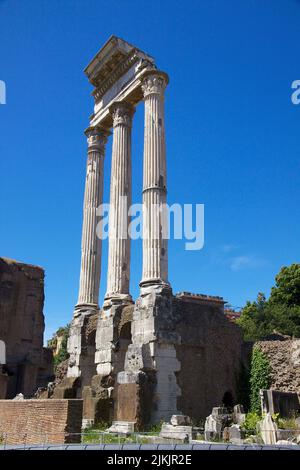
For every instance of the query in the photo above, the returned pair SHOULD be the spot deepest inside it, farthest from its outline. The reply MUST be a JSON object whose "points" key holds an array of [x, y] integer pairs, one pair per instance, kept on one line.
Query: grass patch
{"points": [[285, 423], [97, 435]]}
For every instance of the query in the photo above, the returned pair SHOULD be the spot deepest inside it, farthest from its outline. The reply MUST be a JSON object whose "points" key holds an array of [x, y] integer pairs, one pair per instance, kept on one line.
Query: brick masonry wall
{"points": [[40, 421]]}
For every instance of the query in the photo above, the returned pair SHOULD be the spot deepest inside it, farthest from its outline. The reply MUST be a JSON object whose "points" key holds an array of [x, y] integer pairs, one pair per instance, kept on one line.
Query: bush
{"points": [[63, 352], [251, 422]]}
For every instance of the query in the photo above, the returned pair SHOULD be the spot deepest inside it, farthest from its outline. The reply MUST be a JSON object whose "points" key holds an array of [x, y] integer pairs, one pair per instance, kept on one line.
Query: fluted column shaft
{"points": [[155, 254], [91, 243], [118, 276]]}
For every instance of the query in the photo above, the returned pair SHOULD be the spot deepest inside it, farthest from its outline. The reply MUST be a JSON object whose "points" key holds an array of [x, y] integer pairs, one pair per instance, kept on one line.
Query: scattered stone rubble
{"points": [[226, 426], [223, 424]]}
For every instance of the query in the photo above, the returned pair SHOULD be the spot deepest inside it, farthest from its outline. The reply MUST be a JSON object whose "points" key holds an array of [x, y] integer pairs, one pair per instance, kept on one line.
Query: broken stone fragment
{"points": [[122, 427], [18, 397], [180, 420], [235, 434], [239, 415], [268, 429], [181, 433], [283, 442]]}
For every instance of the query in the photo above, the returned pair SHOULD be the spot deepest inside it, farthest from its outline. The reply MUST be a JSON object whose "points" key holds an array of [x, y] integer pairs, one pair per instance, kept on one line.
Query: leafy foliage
{"points": [[251, 422], [62, 354], [287, 288], [281, 313], [260, 377], [285, 423]]}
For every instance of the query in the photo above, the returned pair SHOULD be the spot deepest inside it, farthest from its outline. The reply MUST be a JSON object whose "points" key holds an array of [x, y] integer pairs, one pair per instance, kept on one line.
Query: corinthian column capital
{"points": [[154, 82], [122, 113], [97, 138]]}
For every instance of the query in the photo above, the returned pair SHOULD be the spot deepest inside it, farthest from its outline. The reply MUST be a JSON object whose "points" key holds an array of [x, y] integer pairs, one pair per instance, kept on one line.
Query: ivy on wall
{"points": [[260, 377]]}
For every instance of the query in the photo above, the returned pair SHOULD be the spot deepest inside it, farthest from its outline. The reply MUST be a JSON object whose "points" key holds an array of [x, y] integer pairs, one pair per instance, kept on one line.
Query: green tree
{"points": [[254, 319], [281, 313], [287, 288]]}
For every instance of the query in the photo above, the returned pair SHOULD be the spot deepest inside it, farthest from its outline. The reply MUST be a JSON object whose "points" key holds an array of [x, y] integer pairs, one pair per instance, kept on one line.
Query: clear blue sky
{"points": [[232, 136]]}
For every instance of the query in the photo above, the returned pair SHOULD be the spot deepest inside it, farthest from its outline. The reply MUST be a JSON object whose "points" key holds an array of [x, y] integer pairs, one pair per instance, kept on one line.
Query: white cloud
{"points": [[246, 262], [224, 255]]}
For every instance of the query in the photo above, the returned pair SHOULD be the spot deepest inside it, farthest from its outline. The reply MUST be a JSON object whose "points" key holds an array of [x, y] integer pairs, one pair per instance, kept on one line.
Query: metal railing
{"points": [[103, 439]]}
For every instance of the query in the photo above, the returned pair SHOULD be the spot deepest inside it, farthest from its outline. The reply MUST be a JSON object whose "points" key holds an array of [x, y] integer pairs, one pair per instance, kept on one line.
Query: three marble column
{"points": [[155, 254]]}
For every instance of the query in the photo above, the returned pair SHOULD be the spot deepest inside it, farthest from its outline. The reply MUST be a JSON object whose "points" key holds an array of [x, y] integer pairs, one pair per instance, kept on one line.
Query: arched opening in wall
{"points": [[227, 399], [121, 347]]}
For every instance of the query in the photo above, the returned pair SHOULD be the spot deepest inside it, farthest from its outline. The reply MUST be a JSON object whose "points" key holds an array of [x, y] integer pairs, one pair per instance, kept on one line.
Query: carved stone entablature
{"points": [[120, 70], [116, 72], [122, 114], [113, 60], [97, 138], [154, 82]]}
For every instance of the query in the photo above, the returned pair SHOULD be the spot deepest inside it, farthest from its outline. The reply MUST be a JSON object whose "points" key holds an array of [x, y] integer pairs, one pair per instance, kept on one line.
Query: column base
{"points": [[111, 300], [85, 309], [154, 284]]}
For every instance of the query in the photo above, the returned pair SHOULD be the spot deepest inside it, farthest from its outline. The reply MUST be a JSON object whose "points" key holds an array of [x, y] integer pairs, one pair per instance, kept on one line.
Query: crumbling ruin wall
{"points": [[191, 332], [98, 391], [284, 359], [28, 364], [101, 394], [209, 354], [189, 360], [87, 359], [40, 421]]}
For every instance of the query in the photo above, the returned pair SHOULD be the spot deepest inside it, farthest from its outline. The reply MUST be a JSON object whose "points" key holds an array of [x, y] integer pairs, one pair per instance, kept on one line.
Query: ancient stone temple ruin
{"points": [[163, 354]]}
